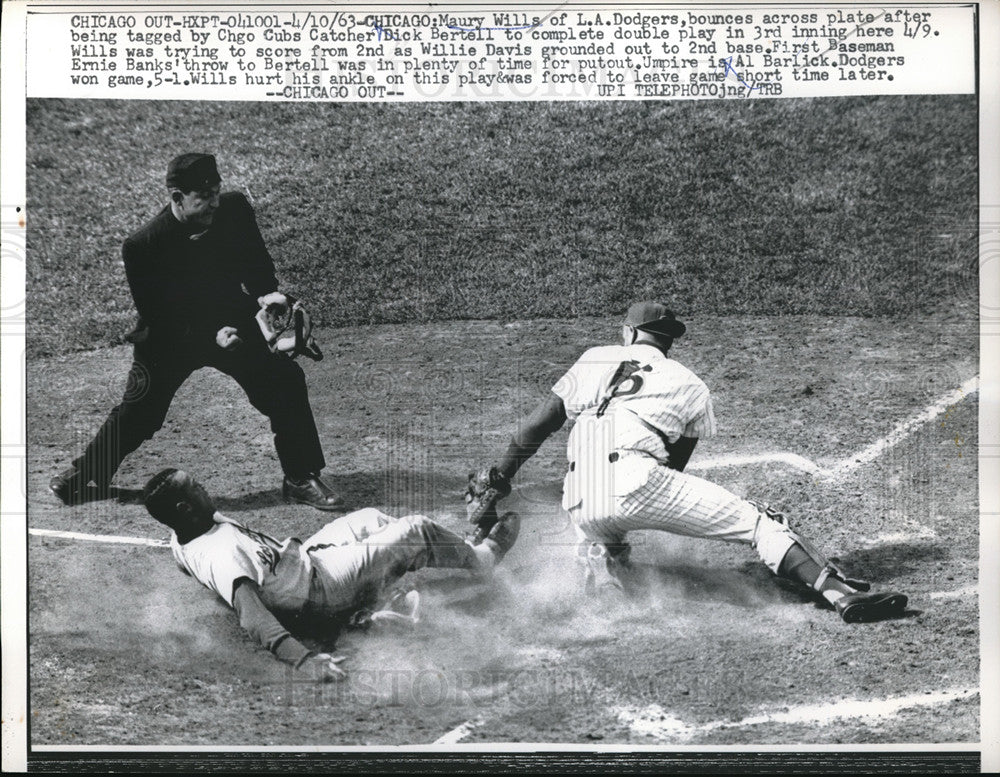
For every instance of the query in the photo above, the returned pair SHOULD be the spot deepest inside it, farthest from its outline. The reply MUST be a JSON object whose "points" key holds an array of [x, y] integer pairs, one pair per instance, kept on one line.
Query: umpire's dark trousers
{"points": [[273, 383]]}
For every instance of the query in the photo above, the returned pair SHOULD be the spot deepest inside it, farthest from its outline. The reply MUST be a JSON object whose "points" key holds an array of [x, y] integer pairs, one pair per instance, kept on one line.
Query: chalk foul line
{"points": [[738, 460], [110, 539], [856, 460], [656, 722], [903, 429], [459, 733], [958, 593]]}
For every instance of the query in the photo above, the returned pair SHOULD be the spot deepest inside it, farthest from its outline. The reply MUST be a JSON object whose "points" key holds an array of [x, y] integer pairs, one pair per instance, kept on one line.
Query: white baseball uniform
{"points": [[627, 403], [341, 568]]}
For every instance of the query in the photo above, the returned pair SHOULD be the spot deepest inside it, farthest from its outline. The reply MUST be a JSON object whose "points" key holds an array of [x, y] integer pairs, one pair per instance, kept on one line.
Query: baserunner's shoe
{"points": [[503, 535], [402, 607], [864, 607]]}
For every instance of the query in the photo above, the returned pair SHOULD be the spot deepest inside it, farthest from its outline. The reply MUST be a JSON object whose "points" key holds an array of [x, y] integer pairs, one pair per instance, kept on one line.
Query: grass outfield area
{"points": [[402, 213]]}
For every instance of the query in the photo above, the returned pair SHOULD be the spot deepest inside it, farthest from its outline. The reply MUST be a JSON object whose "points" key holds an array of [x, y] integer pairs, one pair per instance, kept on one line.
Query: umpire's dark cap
{"points": [[192, 172], [654, 317]]}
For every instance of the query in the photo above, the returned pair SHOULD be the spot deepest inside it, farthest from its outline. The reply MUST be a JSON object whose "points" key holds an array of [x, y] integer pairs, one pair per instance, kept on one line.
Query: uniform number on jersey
{"points": [[268, 557], [267, 553], [625, 382]]}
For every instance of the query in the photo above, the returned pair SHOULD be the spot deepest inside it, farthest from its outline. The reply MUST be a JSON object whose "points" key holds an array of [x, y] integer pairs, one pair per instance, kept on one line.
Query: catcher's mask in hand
{"points": [[287, 327]]}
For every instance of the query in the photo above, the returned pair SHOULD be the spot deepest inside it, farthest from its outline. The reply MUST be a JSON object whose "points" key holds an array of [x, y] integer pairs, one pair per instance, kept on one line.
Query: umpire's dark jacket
{"points": [[187, 288]]}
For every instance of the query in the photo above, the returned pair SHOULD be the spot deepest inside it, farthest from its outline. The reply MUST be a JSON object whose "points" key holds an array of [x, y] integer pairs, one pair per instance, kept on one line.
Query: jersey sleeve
{"points": [[146, 285], [702, 425], [258, 264], [222, 558], [260, 623]]}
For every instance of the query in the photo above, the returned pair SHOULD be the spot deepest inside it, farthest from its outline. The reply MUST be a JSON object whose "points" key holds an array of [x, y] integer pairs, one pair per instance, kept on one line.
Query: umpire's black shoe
{"points": [[866, 607], [311, 491], [68, 486], [72, 487]]}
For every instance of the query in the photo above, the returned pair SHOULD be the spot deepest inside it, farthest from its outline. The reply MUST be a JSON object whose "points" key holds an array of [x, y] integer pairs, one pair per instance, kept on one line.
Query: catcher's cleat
{"points": [[865, 607], [503, 535], [311, 491]]}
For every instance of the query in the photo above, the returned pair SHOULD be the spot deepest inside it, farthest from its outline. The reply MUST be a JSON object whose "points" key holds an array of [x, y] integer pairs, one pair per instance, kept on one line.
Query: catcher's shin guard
{"points": [[773, 539]]}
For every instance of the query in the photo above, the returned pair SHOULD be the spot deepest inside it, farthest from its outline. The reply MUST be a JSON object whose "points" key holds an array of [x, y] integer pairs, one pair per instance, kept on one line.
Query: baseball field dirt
{"points": [[124, 649]]}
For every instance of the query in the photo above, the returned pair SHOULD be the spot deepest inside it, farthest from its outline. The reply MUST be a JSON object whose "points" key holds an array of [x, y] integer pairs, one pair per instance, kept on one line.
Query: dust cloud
{"points": [[529, 634]]}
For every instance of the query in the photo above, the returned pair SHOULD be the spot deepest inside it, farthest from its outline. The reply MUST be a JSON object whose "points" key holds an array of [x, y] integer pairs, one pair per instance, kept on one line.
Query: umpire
{"points": [[196, 272]]}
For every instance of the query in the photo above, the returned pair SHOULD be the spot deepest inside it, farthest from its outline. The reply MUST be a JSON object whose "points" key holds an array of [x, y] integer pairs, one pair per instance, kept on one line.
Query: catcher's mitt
{"points": [[486, 487], [286, 326]]}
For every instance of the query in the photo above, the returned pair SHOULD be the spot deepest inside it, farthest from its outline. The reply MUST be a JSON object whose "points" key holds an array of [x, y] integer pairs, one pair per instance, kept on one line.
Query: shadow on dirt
{"points": [[255, 500], [745, 587], [127, 496], [889, 561], [90, 494], [400, 492]]}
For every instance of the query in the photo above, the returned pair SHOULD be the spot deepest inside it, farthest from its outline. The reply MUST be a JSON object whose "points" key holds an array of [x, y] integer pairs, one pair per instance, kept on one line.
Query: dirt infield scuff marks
{"points": [[903, 430], [654, 721], [129, 607]]}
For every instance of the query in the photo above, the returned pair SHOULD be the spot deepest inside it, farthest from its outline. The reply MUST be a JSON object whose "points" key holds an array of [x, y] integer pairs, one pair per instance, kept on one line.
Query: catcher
{"points": [[638, 416], [335, 578], [206, 293]]}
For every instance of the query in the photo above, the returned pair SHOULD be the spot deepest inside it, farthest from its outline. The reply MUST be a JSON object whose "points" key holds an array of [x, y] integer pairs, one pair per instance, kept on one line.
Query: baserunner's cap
{"points": [[192, 172], [654, 317]]}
